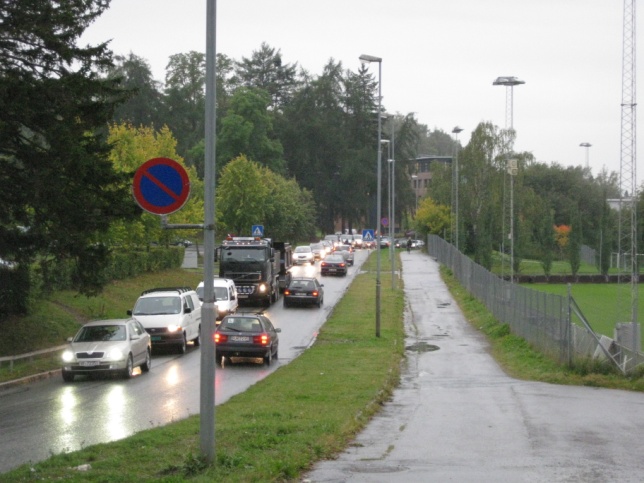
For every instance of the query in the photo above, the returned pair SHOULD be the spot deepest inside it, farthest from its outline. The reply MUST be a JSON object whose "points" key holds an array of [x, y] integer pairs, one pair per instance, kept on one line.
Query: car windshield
{"points": [[302, 249], [241, 324], [157, 306], [221, 293], [335, 258], [101, 333], [302, 285]]}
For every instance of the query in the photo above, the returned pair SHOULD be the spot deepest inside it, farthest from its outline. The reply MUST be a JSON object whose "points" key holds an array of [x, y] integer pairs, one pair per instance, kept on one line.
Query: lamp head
{"points": [[369, 58], [507, 81], [456, 130]]}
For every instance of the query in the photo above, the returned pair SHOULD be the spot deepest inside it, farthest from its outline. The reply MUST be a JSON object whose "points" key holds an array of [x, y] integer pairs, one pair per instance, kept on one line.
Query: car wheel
{"points": [[68, 376], [129, 368], [219, 360], [182, 345], [319, 304], [285, 304], [197, 340], [268, 358], [145, 367]]}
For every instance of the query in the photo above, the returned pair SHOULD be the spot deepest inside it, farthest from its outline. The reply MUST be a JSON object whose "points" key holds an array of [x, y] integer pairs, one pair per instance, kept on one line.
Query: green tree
{"points": [[576, 237], [144, 106], [432, 218], [266, 70], [185, 97], [60, 192], [247, 129], [241, 196]]}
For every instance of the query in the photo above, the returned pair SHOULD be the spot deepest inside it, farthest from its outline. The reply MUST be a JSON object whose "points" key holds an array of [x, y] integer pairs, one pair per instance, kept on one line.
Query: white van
{"points": [[225, 296]]}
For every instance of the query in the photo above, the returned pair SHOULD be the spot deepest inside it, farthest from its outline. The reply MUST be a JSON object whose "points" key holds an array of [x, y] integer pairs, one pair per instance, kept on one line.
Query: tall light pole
{"points": [[512, 171], [587, 146], [509, 82], [369, 59], [455, 183], [392, 205]]}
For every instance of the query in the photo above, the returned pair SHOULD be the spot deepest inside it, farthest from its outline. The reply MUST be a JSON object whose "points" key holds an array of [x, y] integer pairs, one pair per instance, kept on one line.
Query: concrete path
{"points": [[458, 417]]}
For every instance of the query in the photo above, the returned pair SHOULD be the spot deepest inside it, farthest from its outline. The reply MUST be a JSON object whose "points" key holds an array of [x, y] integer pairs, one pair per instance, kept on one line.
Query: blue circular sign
{"points": [[161, 186]]}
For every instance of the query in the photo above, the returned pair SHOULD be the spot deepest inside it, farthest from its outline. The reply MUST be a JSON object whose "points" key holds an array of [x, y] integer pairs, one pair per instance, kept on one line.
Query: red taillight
{"points": [[262, 339], [287, 292], [219, 337], [315, 293], [342, 264], [323, 264]]}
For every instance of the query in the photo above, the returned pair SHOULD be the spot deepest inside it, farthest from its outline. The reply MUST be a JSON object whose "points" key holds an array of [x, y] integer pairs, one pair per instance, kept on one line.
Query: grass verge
{"points": [[305, 411]]}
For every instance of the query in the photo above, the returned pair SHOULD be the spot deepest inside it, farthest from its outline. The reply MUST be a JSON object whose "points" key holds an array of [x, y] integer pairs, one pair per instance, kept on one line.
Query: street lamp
{"points": [[586, 145], [455, 183], [512, 171], [369, 59], [509, 82]]}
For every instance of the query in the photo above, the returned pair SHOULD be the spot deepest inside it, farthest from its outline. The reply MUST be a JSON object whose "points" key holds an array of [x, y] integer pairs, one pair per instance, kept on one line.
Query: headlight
{"points": [[115, 355], [174, 328], [262, 288], [68, 356]]}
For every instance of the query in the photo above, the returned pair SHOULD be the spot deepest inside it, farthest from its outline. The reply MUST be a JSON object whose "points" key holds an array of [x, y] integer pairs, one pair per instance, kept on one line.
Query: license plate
{"points": [[332, 269], [239, 338], [242, 295], [155, 338], [90, 363], [300, 295]]}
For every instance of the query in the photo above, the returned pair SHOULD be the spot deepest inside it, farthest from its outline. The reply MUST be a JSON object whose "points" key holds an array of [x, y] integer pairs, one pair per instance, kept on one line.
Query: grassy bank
{"points": [[305, 411]]}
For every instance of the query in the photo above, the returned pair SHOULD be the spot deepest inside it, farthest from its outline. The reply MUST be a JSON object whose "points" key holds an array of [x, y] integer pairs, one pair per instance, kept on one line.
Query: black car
{"points": [[334, 264], [304, 291], [248, 336]]}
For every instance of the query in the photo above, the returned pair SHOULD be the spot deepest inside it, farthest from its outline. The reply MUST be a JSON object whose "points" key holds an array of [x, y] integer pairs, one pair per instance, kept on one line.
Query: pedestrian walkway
{"points": [[458, 417]]}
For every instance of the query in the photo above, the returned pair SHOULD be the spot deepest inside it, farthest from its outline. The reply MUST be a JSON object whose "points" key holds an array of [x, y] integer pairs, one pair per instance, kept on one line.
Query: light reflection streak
{"points": [[114, 405]]}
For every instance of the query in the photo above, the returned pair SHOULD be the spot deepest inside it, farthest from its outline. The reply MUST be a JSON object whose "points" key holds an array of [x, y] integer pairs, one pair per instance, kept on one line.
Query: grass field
{"points": [[603, 305]]}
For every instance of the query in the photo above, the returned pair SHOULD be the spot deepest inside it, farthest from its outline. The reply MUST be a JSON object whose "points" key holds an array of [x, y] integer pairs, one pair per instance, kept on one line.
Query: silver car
{"points": [[107, 346]]}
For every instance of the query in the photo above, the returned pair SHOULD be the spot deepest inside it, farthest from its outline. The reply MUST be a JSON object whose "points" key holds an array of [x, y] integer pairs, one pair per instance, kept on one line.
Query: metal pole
{"points": [[207, 398], [379, 201]]}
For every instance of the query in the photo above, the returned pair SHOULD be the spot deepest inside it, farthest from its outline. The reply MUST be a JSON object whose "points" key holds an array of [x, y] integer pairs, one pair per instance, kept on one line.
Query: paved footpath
{"points": [[458, 417]]}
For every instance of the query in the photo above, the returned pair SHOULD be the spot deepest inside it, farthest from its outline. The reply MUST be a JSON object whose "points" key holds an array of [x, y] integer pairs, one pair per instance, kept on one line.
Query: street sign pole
{"points": [[207, 397]]}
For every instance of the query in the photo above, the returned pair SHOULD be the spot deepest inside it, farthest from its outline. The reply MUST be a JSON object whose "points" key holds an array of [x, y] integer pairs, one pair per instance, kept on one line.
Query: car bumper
{"points": [[241, 351]]}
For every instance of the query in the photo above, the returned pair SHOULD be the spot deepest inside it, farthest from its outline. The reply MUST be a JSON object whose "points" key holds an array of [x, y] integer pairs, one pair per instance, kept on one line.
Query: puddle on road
{"points": [[422, 347]]}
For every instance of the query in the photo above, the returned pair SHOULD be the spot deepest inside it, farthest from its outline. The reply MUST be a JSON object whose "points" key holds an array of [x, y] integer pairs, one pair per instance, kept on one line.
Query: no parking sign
{"points": [[161, 186]]}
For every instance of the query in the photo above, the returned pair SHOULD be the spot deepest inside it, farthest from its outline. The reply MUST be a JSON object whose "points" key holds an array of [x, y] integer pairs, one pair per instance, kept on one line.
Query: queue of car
{"points": [[170, 317]]}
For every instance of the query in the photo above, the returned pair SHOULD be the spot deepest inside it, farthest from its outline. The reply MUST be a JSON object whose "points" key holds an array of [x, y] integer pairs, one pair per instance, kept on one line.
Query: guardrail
{"points": [[30, 355]]}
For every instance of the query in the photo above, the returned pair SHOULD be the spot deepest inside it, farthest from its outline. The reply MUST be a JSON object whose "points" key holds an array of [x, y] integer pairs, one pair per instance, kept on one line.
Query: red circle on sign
{"points": [[161, 186]]}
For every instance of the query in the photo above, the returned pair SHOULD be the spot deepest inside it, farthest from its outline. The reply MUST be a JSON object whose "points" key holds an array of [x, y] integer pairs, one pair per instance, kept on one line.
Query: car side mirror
{"points": [[187, 310], [135, 337], [129, 312], [277, 329]]}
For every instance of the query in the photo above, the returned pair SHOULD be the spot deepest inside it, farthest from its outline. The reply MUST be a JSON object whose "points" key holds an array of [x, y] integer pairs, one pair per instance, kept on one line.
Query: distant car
{"points": [[225, 296], [107, 346], [357, 241], [319, 250], [303, 254], [304, 291], [248, 336], [384, 242], [419, 243], [347, 252], [328, 246], [333, 264]]}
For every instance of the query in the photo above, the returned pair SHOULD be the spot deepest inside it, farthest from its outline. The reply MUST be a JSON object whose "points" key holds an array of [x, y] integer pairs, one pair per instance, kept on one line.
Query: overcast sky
{"points": [[440, 58]]}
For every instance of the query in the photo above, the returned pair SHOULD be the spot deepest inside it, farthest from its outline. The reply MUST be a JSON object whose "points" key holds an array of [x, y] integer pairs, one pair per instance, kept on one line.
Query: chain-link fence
{"points": [[552, 324]]}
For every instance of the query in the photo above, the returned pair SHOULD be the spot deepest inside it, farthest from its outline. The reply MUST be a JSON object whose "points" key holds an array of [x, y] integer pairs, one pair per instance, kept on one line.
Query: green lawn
{"points": [[603, 304]]}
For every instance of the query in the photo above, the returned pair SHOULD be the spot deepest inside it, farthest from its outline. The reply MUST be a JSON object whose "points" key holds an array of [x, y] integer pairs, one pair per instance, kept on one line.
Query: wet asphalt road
{"points": [[458, 417]]}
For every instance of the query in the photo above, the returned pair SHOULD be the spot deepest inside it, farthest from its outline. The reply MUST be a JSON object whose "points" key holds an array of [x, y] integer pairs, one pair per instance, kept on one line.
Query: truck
{"points": [[254, 265], [286, 262]]}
